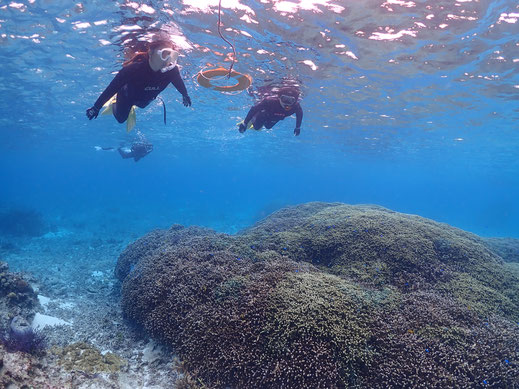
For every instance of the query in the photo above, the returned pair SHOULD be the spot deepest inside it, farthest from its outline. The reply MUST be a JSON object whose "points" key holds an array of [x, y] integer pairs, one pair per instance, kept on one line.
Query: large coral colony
{"points": [[328, 295]]}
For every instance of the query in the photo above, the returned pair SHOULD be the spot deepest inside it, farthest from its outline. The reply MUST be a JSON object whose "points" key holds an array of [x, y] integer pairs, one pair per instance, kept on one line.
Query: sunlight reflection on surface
{"points": [[206, 5], [386, 70], [307, 5]]}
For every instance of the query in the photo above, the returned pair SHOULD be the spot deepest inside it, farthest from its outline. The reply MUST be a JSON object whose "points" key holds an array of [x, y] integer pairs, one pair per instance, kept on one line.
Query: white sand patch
{"points": [[41, 321], [44, 301]]}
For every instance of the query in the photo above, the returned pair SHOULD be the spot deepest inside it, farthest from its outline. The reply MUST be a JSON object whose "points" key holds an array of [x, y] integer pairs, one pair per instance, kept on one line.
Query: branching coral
{"points": [[328, 296]]}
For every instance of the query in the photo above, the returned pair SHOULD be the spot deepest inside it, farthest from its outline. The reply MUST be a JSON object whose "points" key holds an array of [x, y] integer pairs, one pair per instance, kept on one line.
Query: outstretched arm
{"points": [[176, 80], [299, 119]]}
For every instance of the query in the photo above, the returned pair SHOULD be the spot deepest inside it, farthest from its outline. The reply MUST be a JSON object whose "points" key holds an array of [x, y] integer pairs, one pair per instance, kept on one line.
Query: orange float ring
{"points": [[243, 80]]}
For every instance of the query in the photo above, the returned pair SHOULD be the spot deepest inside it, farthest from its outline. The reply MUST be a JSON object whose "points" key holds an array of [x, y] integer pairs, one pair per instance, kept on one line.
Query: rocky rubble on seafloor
{"points": [[17, 297], [50, 358]]}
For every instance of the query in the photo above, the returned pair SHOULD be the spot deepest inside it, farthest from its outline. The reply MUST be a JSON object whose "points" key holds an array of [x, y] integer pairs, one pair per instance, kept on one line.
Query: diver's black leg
{"points": [[122, 106], [270, 124], [258, 124], [257, 121]]}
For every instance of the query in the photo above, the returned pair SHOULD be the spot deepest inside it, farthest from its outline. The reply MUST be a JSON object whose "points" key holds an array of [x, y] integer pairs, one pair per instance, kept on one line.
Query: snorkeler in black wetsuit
{"points": [[137, 151], [141, 80], [272, 109], [139, 148]]}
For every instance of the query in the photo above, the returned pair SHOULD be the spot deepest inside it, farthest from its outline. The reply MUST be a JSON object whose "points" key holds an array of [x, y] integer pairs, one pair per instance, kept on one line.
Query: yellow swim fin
{"points": [[108, 106], [248, 127], [132, 119]]}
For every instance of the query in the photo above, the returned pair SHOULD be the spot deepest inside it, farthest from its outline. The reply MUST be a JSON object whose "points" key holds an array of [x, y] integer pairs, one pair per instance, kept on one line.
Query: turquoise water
{"points": [[409, 105]]}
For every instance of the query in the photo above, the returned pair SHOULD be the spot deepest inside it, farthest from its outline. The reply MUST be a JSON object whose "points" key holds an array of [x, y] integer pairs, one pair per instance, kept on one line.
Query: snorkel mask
{"points": [[288, 96], [167, 54], [163, 59], [169, 57], [287, 101]]}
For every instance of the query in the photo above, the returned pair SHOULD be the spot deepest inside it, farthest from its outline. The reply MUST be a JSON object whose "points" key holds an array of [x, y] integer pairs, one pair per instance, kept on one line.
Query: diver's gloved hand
{"points": [[92, 113], [242, 128], [186, 100], [297, 131]]}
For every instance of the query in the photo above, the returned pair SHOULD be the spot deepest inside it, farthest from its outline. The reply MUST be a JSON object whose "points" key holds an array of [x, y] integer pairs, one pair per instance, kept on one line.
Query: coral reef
{"points": [[434, 340], [84, 357], [156, 241], [20, 222], [22, 337], [377, 247], [328, 296], [506, 248], [17, 297]]}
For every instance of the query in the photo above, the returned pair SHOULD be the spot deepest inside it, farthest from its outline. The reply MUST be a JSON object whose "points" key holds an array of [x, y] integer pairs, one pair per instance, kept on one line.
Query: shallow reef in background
{"points": [[506, 248], [22, 222], [328, 295]]}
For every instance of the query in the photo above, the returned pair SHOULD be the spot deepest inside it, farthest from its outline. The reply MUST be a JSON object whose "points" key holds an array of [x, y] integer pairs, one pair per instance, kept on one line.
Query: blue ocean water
{"points": [[411, 105]]}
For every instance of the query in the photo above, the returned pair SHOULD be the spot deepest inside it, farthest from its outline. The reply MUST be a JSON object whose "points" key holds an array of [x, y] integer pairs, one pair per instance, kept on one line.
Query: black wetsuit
{"points": [[137, 151], [137, 84], [269, 111]]}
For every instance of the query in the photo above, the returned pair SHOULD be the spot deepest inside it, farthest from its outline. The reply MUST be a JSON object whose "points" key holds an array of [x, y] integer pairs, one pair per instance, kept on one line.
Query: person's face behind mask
{"points": [[163, 57]]}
